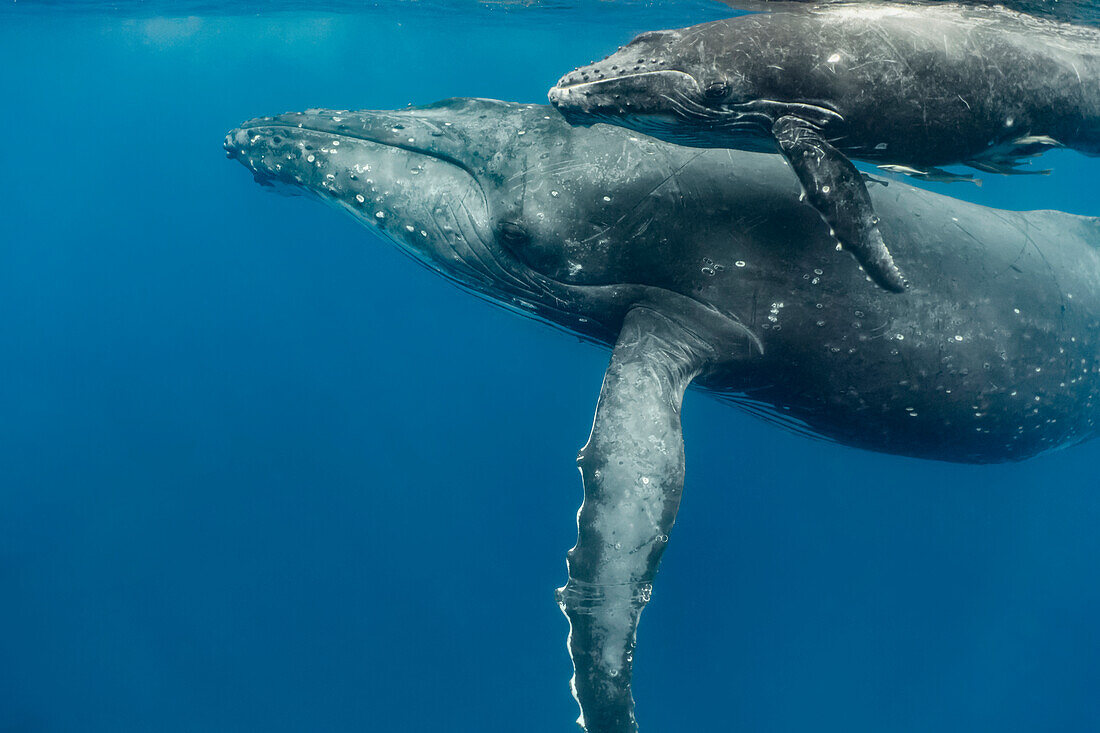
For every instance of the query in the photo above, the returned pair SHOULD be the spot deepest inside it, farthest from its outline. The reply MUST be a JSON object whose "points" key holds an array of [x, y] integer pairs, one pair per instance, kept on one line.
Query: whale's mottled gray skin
{"points": [[1080, 12], [915, 85], [703, 267]]}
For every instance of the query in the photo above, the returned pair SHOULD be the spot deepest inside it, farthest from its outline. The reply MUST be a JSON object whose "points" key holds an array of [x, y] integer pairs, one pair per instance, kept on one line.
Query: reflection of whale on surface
{"points": [[703, 266], [901, 84]]}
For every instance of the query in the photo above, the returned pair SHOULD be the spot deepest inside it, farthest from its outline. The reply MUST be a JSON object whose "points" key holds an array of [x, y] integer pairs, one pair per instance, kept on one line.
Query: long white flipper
{"points": [[633, 472]]}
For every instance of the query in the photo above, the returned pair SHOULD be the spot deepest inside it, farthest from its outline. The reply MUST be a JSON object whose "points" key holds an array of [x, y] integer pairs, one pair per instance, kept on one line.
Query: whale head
{"points": [[692, 86], [506, 200]]}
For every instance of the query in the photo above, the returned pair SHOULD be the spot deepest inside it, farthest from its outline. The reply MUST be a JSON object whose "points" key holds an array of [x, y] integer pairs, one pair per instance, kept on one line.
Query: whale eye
{"points": [[717, 90], [512, 233]]}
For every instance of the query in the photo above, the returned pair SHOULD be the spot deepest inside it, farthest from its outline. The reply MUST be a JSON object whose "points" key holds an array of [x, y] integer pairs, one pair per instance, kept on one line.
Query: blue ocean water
{"points": [[259, 472]]}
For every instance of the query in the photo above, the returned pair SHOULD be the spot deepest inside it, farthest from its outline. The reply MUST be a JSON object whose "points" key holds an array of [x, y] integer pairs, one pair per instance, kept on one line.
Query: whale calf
{"points": [[703, 267], [1079, 12], [919, 86]]}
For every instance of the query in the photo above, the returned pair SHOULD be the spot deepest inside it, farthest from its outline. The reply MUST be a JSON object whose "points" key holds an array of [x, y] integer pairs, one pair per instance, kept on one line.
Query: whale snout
{"points": [[253, 150], [248, 143], [235, 141], [626, 79], [648, 52], [241, 140], [571, 104], [647, 92], [396, 172], [238, 146]]}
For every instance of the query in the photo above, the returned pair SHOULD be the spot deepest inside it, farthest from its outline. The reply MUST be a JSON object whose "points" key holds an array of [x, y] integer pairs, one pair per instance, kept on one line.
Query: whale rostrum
{"points": [[704, 268]]}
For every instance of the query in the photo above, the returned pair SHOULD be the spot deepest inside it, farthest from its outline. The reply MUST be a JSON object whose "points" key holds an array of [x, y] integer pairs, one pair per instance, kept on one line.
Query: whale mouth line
{"points": [[480, 263], [562, 91], [269, 178], [580, 86], [375, 139]]}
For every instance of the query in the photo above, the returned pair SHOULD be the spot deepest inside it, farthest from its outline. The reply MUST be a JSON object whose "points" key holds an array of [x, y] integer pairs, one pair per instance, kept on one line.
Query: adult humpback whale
{"points": [[702, 267], [916, 85]]}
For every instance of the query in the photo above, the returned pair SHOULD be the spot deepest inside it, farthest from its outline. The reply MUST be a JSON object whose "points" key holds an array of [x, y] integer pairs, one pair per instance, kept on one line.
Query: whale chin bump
{"points": [[240, 145], [234, 142]]}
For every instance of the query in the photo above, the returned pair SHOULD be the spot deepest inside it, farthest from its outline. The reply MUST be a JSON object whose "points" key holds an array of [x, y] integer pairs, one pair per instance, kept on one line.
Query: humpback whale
{"points": [[920, 86], [703, 268]]}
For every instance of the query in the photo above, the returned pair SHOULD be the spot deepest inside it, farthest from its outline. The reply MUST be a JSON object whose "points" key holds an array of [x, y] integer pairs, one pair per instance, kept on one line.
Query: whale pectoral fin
{"points": [[836, 189], [633, 473]]}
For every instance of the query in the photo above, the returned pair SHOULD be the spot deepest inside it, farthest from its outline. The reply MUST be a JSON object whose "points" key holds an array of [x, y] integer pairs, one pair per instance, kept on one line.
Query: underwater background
{"points": [[260, 472]]}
